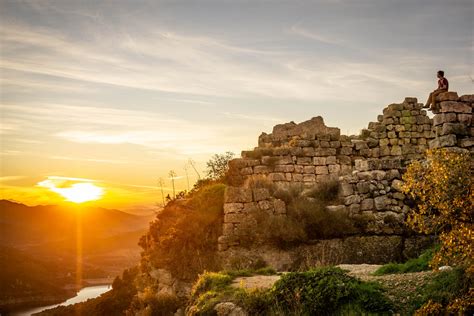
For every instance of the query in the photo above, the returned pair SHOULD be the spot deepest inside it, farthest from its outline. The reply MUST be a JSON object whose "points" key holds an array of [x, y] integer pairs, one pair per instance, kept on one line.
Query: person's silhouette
{"points": [[443, 86]]}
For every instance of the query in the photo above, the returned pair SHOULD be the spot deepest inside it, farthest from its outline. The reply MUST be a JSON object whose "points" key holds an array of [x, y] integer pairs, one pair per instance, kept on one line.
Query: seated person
{"points": [[443, 86]]}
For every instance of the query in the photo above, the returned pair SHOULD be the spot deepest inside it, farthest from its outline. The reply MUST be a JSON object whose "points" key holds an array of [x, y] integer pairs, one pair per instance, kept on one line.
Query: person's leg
{"points": [[434, 94], [430, 98]]}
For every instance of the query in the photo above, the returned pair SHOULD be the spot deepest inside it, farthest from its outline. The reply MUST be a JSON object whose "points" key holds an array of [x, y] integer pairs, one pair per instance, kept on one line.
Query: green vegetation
{"points": [[307, 217], [422, 263], [450, 291], [218, 165], [441, 189], [327, 291], [183, 238]]}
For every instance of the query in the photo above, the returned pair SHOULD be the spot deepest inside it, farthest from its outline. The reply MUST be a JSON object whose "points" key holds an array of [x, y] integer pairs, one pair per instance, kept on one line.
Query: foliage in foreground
{"points": [[448, 293], [441, 188], [422, 263], [327, 291]]}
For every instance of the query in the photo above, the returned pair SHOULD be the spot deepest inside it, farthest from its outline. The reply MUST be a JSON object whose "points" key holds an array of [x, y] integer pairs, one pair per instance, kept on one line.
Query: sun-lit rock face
{"points": [[368, 168]]}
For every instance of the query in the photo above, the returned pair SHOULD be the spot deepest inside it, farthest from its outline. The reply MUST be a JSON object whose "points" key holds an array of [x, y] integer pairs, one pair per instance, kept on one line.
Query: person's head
{"points": [[440, 74]]}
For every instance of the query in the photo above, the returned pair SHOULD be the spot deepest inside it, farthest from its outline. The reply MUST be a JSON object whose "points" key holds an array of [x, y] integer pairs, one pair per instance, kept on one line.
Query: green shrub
{"points": [[211, 281], [325, 192], [307, 218], [422, 263], [445, 288], [183, 237], [327, 291]]}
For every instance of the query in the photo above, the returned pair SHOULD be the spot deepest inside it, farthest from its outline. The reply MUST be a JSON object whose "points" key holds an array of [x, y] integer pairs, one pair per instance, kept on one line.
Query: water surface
{"points": [[82, 296]]}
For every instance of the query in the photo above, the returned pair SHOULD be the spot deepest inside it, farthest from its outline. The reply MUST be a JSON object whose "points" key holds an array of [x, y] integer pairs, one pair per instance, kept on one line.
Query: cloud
{"points": [[328, 39]]}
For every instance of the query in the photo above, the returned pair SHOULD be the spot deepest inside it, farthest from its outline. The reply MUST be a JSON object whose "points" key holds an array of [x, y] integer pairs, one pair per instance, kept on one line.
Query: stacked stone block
{"points": [[368, 166], [453, 123]]}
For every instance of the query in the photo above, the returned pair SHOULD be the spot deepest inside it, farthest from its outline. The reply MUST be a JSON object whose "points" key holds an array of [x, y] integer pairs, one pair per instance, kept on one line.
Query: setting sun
{"points": [[76, 192]]}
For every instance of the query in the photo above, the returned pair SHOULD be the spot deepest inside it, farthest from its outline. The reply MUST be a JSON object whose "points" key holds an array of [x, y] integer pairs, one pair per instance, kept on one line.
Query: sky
{"points": [[118, 93]]}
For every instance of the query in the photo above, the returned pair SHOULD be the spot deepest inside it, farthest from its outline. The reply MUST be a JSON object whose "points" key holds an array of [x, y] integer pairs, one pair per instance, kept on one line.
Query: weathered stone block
{"points": [[466, 142], [443, 141], [309, 177], [284, 168], [455, 107], [344, 160], [308, 169], [334, 168], [453, 128], [308, 151], [396, 151], [467, 98], [233, 218], [233, 208], [277, 176], [237, 195], [397, 185], [304, 161], [346, 189], [448, 96], [260, 194], [325, 152], [367, 204], [444, 118], [261, 169], [361, 165], [360, 144], [380, 202], [319, 161], [322, 170], [465, 119], [352, 199], [345, 151], [331, 160]]}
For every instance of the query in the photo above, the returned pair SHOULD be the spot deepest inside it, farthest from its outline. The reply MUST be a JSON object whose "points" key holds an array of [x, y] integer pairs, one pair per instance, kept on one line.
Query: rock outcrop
{"points": [[368, 167]]}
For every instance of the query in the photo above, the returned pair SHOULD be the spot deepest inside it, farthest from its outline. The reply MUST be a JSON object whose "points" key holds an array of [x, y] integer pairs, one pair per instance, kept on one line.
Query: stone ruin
{"points": [[368, 167]]}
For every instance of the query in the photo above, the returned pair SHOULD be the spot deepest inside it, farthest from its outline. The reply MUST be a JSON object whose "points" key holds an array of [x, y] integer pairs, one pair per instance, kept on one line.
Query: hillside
{"points": [[38, 249]]}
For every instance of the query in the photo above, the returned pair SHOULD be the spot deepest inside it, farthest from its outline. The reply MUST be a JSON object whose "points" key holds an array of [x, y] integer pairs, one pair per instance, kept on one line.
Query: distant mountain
{"points": [[27, 227], [39, 248]]}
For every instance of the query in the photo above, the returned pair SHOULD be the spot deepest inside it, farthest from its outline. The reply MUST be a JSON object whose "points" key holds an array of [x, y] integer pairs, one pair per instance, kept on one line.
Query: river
{"points": [[83, 295]]}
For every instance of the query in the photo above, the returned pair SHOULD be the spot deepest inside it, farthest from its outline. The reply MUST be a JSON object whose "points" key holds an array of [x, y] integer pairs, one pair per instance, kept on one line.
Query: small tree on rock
{"points": [[218, 165]]}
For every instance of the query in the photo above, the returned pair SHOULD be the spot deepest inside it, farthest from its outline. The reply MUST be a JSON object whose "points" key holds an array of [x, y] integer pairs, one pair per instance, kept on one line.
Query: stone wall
{"points": [[368, 167]]}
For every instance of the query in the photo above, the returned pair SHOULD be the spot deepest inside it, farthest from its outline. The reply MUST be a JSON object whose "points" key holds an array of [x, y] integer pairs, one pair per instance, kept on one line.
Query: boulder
{"points": [[448, 96]]}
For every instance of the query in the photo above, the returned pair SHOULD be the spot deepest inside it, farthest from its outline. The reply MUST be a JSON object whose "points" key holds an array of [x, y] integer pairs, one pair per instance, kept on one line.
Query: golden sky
{"points": [[115, 94]]}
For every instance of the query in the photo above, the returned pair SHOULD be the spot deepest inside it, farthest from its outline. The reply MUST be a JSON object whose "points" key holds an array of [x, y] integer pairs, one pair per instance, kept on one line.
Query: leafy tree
{"points": [[218, 165], [441, 187]]}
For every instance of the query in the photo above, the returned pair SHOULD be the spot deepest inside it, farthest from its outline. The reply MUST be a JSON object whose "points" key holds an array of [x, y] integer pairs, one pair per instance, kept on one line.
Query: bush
{"points": [[307, 218], [183, 237], [327, 291], [325, 192], [422, 263], [441, 189]]}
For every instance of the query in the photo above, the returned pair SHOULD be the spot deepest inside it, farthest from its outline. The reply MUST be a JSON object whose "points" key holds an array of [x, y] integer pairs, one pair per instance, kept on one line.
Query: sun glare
{"points": [[76, 192]]}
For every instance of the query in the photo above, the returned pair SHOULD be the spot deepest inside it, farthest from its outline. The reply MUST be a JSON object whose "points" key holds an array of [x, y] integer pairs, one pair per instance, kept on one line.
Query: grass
{"points": [[422, 263], [323, 291]]}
